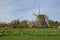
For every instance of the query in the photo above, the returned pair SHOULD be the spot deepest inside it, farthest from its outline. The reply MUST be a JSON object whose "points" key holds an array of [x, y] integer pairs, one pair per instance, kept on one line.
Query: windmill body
{"points": [[42, 20]]}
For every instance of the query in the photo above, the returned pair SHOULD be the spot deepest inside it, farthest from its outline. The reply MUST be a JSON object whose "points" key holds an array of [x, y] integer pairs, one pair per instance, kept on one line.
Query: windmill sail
{"points": [[39, 10], [42, 20], [47, 22]]}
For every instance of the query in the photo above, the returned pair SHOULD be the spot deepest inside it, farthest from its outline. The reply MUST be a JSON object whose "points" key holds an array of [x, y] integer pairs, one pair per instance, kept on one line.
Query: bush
{"points": [[3, 34]]}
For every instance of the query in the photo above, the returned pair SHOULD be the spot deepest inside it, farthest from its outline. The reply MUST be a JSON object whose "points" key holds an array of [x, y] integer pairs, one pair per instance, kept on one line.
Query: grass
{"points": [[29, 34]]}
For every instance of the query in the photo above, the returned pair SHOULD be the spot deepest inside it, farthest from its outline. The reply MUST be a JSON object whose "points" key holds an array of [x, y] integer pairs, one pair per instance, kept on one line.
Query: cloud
{"points": [[24, 9]]}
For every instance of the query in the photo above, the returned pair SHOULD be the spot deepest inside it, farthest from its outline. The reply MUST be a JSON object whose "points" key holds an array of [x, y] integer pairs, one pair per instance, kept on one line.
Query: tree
{"points": [[24, 23], [15, 23], [3, 24]]}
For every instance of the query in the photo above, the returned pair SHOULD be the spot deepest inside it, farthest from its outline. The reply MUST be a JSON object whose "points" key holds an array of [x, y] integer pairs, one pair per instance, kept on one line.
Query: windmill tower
{"points": [[42, 20]]}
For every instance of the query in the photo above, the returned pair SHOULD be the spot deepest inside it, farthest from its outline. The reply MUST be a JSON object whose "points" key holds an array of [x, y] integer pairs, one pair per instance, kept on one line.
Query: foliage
{"points": [[25, 23], [30, 33], [2, 24]]}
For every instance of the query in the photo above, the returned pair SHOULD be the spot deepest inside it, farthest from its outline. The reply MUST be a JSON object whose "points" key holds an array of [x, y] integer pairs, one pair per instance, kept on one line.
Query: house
{"points": [[58, 26], [30, 25]]}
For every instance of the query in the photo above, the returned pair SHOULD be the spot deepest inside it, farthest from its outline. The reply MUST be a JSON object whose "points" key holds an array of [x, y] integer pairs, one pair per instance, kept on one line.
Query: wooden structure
{"points": [[42, 20]]}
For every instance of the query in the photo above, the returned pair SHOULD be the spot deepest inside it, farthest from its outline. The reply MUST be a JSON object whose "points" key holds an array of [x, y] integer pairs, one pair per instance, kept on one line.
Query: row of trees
{"points": [[17, 23], [25, 23], [41, 21]]}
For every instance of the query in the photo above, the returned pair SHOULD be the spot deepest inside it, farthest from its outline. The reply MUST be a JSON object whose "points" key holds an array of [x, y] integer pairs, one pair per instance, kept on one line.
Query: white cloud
{"points": [[12, 9]]}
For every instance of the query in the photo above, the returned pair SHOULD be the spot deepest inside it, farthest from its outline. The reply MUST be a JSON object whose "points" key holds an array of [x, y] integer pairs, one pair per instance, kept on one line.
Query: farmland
{"points": [[29, 34]]}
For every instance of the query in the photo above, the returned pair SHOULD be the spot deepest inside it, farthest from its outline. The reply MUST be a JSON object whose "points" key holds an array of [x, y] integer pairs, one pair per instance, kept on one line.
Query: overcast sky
{"points": [[24, 9]]}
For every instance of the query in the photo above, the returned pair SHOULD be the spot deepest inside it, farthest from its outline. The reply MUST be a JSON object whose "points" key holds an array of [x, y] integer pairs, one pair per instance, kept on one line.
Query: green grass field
{"points": [[29, 34]]}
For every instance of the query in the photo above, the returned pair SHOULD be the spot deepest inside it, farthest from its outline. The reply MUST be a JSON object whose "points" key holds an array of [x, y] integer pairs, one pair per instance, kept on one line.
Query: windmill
{"points": [[42, 19]]}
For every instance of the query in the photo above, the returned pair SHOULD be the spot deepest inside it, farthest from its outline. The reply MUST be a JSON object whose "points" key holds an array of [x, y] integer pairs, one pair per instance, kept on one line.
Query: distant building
{"points": [[58, 26], [30, 25]]}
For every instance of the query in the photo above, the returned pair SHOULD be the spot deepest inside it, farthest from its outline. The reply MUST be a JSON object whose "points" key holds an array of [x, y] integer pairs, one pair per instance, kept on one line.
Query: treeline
{"points": [[14, 24], [25, 23]]}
